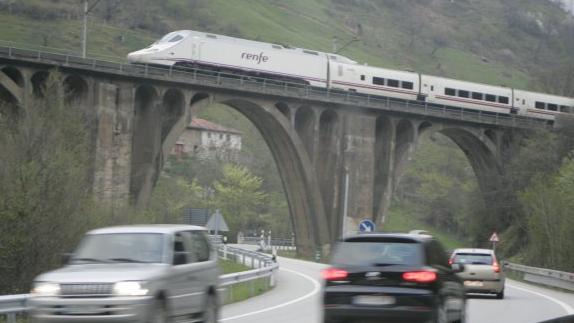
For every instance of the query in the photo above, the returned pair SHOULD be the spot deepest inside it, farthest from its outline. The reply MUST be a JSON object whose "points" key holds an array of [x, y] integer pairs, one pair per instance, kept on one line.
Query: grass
{"points": [[242, 291], [230, 267]]}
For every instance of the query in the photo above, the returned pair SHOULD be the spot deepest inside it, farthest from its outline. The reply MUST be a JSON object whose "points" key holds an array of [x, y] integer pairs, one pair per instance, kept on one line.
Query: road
{"points": [[296, 299]]}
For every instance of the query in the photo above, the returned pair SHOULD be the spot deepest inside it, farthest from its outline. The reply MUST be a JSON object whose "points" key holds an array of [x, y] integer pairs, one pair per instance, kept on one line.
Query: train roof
{"points": [[263, 45]]}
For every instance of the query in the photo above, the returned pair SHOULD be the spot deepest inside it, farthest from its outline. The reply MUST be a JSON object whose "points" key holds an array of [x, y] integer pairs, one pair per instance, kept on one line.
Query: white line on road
{"points": [[569, 310], [316, 288]]}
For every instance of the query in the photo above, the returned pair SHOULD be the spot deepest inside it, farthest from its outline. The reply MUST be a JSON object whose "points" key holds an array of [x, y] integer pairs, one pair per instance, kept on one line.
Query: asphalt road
{"points": [[296, 299]]}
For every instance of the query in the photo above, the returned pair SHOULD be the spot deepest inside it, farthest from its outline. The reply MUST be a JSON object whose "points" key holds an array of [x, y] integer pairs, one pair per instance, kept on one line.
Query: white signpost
{"points": [[494, 239]]}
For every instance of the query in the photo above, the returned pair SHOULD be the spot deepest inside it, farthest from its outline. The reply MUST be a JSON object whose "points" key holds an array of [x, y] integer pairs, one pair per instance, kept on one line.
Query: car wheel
{"points": [[500, 295], [159, 312], [211, 313]]}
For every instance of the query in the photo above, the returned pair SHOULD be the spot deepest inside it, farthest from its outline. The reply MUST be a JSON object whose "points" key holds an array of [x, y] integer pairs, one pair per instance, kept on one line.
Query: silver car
{"points": [[152, 273], [482, 272]]}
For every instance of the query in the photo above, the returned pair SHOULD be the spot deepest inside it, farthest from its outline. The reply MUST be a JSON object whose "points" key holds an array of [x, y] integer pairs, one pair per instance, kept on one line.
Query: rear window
{"points": [[357, 253], [473, 259]]}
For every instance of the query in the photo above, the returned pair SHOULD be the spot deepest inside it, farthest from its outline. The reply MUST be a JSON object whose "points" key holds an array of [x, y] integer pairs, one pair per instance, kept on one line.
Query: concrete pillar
{"points": [[359, 161], [114, 109]]}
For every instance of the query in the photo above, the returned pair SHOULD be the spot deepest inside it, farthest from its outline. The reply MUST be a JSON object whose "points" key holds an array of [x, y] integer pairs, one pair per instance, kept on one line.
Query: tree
{"points": [[45, 189], [239, 196]]}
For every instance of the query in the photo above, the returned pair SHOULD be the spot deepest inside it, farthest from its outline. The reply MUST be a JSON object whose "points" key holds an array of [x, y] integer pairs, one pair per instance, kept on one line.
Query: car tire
{"points": [[211, 313], [159, 312], [500, 295]]}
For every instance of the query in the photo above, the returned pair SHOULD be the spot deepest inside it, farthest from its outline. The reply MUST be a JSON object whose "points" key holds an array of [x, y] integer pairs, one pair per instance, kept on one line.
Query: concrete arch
{"points": [[38, 81], [145, 163], [11, 85], [296, 171], [328, 171], [405, 139], [384, 155], [76, 90], [305, 127], [173, 108], [284, 109]]}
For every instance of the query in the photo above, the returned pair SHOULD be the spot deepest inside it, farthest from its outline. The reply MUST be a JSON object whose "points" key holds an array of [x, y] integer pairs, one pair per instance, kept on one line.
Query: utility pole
{"points": [[87, 9]]}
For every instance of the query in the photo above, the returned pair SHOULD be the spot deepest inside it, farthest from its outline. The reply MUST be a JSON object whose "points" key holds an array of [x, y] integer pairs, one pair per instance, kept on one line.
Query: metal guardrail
{"points": [[543, 276], [265, 267], [255, 85]]}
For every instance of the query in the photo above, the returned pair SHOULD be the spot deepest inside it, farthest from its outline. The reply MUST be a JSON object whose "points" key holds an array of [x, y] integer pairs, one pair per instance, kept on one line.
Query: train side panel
{"points": [[374, 81], [542, 106], [467, 95]]}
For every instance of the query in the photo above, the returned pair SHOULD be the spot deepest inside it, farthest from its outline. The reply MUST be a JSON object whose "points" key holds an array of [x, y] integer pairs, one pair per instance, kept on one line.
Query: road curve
{"points": [[296, 299]]}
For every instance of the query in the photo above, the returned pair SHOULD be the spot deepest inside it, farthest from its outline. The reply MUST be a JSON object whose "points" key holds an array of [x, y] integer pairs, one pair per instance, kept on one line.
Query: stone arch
{"points": [[305, 127], [39, 80], [76, 90], [490, 134], [382, 192], [173, 110], [328, 170], [145, 164], [196, 108], [423, 127], [296, 171], [284, 109]]}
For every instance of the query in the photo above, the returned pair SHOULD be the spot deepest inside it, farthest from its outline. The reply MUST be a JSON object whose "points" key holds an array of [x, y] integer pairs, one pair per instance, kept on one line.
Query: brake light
{"points": [[450, 261], [334, 274], [420, 276], [495, 266]]}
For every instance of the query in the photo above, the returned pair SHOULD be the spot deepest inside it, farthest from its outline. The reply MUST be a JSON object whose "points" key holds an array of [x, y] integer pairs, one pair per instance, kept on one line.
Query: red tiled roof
{"points": [[203, 124]]}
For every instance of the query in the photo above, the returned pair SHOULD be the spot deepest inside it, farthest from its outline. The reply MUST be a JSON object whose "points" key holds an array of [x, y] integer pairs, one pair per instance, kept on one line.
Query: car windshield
{"points": [[377, 253], [121, 247], [473, 259]]}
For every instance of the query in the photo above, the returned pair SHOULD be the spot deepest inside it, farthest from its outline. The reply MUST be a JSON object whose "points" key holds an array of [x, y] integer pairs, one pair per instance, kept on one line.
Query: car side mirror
{"points": [[179, 258], [457, 268], [65, 258]]}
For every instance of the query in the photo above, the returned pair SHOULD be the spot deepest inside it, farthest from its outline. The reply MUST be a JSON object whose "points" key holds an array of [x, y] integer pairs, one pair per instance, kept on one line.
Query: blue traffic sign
{"points": [[367, 226]]}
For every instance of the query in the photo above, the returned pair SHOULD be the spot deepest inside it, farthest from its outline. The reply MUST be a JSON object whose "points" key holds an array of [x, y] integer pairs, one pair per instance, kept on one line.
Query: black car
{"points": [[386, 277]]}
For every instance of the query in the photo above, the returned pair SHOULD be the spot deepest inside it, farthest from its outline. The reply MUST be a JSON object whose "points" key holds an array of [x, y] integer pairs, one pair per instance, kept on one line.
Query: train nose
{"points": [[135, 57]]}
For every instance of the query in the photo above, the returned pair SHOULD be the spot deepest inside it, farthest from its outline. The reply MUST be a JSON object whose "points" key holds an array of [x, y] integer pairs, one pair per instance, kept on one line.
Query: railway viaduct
{"points": [[324, 143]]}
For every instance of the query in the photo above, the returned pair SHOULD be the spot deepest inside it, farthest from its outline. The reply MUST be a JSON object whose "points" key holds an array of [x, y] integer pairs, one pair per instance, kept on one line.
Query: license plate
{"points": [[472, 283], [79, 309], [373, 300]]}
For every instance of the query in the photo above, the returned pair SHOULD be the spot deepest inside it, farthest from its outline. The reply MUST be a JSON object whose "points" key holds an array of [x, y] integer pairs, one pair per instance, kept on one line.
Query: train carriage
{"points": [[542, 106]]}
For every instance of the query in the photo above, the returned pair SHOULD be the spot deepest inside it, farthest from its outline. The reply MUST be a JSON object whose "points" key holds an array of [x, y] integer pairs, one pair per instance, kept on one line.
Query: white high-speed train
{"points": [[198, 49]]}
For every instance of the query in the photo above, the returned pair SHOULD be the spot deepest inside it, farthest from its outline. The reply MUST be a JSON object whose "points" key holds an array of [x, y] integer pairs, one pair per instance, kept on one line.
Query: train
{"points": [[188, 48]]}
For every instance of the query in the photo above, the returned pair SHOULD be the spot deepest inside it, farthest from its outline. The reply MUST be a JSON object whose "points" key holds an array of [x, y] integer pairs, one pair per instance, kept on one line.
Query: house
{"points": [[206, 139]]}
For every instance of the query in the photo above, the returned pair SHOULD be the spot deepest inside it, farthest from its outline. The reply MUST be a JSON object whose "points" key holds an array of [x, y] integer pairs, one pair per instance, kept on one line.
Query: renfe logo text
{"points": [[255, 57]]}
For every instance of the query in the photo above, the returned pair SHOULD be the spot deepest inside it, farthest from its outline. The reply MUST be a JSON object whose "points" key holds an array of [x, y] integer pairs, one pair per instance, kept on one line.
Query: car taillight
{"points": [[334, 274], [420, 276], [496, 266], [450, 261]]}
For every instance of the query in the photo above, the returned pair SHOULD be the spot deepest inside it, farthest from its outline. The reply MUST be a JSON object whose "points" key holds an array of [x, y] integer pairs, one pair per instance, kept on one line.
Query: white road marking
{"points": [[569, 310], [316, 289]]}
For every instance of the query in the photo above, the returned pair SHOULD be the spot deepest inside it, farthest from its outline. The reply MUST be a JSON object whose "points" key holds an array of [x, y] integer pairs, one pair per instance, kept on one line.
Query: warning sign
{"points": [[494, 237]]}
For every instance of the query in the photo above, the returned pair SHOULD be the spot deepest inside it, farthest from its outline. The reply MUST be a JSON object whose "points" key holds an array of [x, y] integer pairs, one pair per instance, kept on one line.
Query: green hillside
{"points": [[494, 41]]}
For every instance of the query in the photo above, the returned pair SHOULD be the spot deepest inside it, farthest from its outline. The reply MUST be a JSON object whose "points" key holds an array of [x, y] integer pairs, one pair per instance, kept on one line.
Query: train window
{"points": [[463, 94], [449, 91], [490, 98], [310, 52], [477, 96], [176, 39], [211, 36], [408, 85], [277, 47], [552, 107], [378, 81], [333, 57], [565, 109], [392, 83], [362, 77], [432, 88], [503, 99], [523, 101], [540, 105]]}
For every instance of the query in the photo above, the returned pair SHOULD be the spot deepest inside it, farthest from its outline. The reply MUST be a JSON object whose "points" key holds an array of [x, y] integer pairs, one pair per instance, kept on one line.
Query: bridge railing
{"points": [[543, 276], [234, 82], [264, 267]]}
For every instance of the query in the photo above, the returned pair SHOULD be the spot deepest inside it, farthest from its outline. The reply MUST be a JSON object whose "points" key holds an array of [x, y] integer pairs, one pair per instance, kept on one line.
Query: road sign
{"points": [[367, 226], [494, 237]]}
